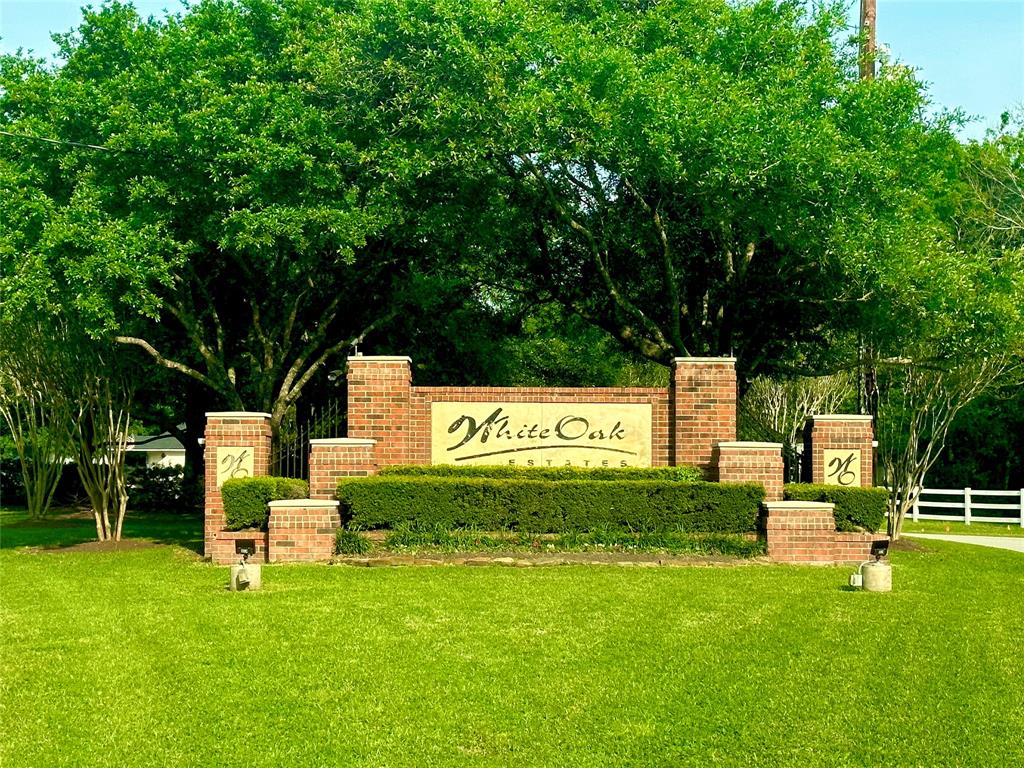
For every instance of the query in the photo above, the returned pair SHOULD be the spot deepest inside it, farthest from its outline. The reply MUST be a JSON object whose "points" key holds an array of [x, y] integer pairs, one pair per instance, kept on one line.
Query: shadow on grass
{"points": [[64, 528]]}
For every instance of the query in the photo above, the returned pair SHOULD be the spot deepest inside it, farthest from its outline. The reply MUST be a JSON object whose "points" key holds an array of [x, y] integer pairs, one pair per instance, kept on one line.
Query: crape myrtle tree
{"points": [[939, 344], [34, 414]]}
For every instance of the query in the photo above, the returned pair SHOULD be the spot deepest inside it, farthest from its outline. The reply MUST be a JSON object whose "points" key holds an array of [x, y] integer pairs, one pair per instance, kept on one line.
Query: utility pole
{"points": [[868, 15], [867, 390]]}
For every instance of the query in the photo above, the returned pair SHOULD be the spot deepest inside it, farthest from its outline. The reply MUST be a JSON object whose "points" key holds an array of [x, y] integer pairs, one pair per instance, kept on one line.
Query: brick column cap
{"points": [[343, 441], [837, 417], [303, 504], [679, 360], [798, 506], [741, 445], [380, 359], [237, 414]]}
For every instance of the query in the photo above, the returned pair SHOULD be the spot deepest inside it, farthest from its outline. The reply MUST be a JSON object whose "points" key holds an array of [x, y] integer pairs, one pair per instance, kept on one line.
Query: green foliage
{"points": [[539, 506], [857, 509], [246, 498], [683, 474], [996, 461], [154, 488], [291, 488], [409, 537], [349, 542]]}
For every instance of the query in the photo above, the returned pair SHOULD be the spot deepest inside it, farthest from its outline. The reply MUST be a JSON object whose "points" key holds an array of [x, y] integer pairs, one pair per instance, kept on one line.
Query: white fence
{"points": [[969, 504]]}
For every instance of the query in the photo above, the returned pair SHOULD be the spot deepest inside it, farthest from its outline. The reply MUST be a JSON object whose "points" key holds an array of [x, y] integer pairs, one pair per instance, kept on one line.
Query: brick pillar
{"points": [[334, 458], [379, 390], [751, 463], [702, 403], [800, 531], [302, 530], [837, 448], [237, 444]]}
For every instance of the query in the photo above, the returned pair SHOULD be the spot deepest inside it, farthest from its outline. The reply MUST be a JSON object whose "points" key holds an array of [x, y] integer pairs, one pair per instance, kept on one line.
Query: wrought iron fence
{"points": [[290, 455]]}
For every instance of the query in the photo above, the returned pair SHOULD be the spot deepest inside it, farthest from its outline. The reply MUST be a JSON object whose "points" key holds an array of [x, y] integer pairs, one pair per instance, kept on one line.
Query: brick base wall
{"points": [[851, 548], [743, 462], [302, 530], [330, 460], [222, 548], [804, 532]]}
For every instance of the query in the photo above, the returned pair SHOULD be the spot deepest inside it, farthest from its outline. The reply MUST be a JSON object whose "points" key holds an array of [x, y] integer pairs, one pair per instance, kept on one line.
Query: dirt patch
{"points": [[908, 545], [125, 545]]}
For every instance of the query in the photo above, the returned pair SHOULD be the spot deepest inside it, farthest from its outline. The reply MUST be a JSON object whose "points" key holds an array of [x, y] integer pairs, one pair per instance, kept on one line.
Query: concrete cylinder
{"points": [[247, 578], [877, 577]]}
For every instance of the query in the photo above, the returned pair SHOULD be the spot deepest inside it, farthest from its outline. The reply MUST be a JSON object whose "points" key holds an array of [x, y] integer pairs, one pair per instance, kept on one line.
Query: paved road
{"points": [[999, 542]]}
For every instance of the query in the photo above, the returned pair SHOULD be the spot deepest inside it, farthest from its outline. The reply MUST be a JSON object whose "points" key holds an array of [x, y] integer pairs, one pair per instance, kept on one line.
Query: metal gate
{"points": [[290, 455]]}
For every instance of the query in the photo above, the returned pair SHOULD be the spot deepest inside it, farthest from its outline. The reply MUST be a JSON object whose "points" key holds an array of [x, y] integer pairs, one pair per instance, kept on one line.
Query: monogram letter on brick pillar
{"points": [[379, 391], [703, 409], [838, 450], [237, 444]]}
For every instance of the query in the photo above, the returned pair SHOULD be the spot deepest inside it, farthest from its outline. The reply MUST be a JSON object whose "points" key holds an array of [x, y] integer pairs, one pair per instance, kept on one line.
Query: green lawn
{"points": [[141, 658], [975, 528]]}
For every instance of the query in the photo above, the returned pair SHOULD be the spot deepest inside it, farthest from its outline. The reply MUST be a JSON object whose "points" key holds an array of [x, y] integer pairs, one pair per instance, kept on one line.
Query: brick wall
{"points": [[804, 532], [335, 458], [379, 389], [230, 429], [302, 530], [800, 531], [838, 432], [702, 409], [742, 462], [853, 548], [694, 413]]}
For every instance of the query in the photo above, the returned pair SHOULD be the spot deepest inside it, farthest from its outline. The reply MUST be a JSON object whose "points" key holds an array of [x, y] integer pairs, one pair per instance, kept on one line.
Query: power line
{"points": [[61, 142], [83, 145]]}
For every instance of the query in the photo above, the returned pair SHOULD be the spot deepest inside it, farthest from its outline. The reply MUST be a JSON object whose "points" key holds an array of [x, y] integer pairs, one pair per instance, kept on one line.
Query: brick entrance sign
{"points": [[391, 421], [687, 419]]}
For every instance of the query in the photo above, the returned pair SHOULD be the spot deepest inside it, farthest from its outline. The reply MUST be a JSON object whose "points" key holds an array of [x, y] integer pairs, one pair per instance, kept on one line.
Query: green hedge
{"points": [[684, 474], [857, 509], [246, 499], [540, 506]]}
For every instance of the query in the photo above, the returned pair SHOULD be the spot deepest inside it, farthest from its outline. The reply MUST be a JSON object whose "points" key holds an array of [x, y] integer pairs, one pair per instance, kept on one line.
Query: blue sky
{"points": [[970, 52]]}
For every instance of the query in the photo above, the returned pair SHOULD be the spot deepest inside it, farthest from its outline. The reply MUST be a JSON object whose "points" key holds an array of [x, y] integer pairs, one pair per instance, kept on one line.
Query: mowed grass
{"points": [[142, 658], [962, 529]]}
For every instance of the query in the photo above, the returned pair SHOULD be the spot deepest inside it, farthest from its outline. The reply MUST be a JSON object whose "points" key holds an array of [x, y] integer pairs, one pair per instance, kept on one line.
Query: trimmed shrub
{"points": [[246, 499], [684, 474], [349, 542], [154, 488], [540, 506], [857, 509]]}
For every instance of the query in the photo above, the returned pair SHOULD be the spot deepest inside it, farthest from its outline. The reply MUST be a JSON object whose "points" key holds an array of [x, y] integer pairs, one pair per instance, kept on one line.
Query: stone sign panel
{"points": [[234, 462], [541, 434], [842, 467]]}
